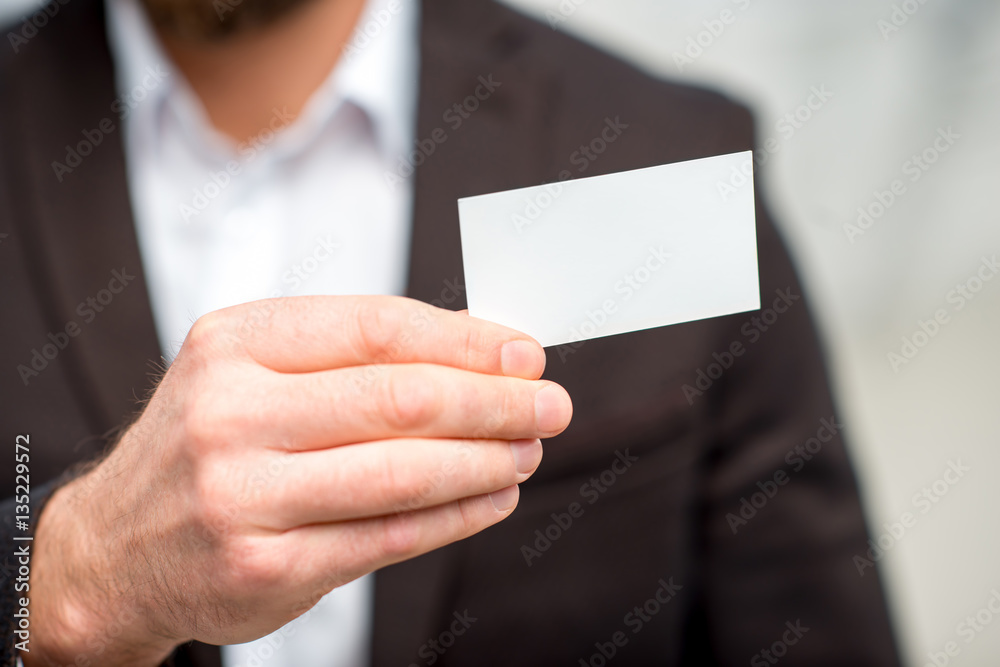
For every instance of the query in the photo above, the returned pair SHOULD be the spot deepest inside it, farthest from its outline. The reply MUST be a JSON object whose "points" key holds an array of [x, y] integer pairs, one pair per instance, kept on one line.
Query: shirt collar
{"points": [[136, 51], [378, 72]]}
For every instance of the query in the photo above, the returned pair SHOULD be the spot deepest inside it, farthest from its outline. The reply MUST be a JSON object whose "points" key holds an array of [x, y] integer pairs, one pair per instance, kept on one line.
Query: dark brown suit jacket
{"points": [[668, 517]]}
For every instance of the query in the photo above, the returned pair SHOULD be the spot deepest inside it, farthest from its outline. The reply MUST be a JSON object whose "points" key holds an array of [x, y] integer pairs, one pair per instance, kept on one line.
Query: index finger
{"points": [[313, 333]]}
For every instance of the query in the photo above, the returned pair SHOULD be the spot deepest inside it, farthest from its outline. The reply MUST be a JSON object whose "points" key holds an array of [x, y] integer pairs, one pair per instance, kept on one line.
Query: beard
{"points": [[215, 20]]}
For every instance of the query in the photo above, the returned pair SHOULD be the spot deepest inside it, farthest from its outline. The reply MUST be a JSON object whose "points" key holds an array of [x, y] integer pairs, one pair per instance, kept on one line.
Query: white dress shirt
{"points": [[304, 210]]}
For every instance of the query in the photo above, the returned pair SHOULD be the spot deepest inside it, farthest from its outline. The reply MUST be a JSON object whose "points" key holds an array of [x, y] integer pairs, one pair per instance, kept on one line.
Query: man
{"points": [[700, 509]]}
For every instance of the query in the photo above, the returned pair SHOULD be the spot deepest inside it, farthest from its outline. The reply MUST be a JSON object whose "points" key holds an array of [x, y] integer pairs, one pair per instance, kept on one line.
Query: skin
{"points": [[287, 451], [242, 77], [294, 444]]}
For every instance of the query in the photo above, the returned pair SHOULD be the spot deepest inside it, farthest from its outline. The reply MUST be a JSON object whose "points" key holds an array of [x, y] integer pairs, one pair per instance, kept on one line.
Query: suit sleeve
{"points": [[15, 567], [781, 516], [12, 574]]}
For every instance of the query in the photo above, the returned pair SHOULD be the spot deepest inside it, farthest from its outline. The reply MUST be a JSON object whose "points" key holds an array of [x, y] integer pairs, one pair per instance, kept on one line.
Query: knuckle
{"points": [[243, 562], [206, 334], [465, 519], [204, 420], [471, 344], [514, 405], [247, 564], [385, 482], [215, 512], [379, 329], [410, 400], [469, 397], [496, 409], [399, 536], [491, 464]]}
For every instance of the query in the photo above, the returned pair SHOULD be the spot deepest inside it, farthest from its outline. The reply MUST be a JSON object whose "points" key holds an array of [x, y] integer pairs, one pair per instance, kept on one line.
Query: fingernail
{"points": [[527, 455], [523, 359], [505, 499], [553, 409]]}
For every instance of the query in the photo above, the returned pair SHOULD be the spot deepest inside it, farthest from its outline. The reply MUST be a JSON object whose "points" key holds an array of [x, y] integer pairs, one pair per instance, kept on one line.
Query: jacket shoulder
{"points": [[590, 80]]}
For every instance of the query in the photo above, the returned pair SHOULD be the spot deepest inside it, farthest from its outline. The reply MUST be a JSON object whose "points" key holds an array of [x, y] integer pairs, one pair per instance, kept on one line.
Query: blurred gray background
{"points": [[894, 86]]}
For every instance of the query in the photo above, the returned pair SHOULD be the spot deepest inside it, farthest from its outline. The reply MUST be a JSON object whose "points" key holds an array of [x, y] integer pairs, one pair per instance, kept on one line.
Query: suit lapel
{"points": [[75, 215], [464, 49]]}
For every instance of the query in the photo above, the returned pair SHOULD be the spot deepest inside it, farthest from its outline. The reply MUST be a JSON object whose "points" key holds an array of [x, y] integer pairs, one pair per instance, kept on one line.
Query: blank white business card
{"points": [[606, 255]]}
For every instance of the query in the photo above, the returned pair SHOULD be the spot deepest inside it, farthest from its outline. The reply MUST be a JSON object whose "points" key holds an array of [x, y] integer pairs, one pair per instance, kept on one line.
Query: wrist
{"points": [[81, 613]]}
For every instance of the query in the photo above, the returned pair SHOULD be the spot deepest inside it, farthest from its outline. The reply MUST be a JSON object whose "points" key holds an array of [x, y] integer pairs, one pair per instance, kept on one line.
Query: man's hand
{"points": [[293, 446]]}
